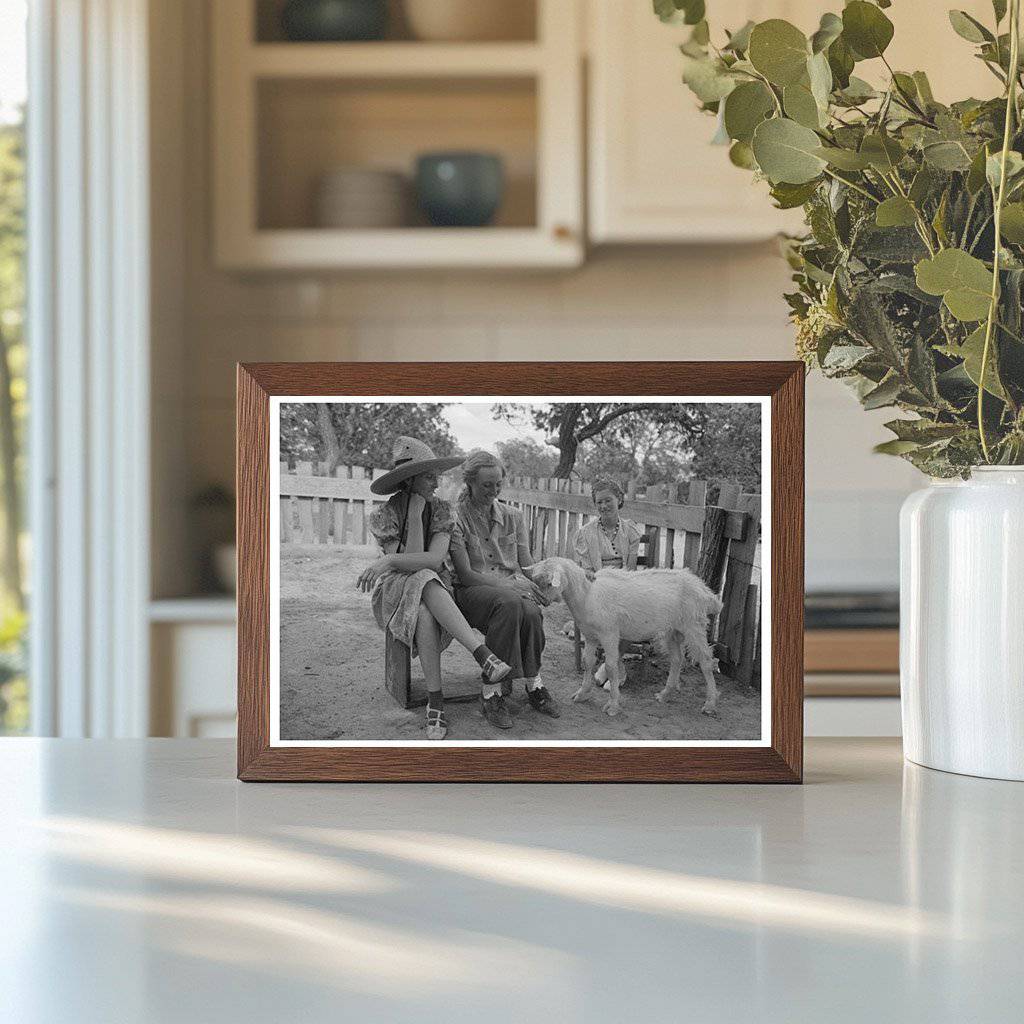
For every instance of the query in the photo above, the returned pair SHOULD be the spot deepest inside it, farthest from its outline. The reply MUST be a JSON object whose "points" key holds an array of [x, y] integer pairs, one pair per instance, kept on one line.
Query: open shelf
{"points": [[309, 127], [404, 60], [520, 23], [286, 114]]}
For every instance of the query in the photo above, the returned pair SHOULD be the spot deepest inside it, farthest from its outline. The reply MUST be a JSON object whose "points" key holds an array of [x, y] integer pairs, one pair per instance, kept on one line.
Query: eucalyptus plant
{"points": [[910, 278]]}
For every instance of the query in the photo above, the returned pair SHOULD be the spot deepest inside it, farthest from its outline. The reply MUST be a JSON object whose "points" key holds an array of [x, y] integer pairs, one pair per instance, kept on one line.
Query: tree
{"points": [[523, 456], [12, 347], [731, 446], [360, 433], [571, 424]]}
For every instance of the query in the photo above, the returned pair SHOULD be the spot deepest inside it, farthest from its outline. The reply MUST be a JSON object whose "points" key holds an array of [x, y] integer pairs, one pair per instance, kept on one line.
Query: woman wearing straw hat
{"points": [[412, 584]]}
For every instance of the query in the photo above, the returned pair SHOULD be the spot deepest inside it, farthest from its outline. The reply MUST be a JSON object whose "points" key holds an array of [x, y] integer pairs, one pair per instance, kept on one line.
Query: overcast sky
{"points": [[474, 426]]}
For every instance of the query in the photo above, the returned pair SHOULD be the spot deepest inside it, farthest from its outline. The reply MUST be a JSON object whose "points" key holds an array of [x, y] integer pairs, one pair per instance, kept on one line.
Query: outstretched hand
{"points": [[530, 590], [369, 576]]}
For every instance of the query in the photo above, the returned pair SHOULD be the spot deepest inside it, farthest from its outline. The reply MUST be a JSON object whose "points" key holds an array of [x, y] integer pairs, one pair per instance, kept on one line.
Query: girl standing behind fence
{"points": [[411, 584]]}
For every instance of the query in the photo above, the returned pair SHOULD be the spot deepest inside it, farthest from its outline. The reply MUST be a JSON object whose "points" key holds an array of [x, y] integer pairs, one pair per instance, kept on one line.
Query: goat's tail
{"points": [[707, 601]]}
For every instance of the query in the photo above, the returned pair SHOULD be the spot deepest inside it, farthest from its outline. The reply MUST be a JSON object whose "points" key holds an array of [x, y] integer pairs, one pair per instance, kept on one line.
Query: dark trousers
{"points": [[513, 625]]}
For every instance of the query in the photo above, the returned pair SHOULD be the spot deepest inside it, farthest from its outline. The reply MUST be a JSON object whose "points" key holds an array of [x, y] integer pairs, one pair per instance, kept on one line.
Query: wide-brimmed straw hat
{"points": [[410, 458]]}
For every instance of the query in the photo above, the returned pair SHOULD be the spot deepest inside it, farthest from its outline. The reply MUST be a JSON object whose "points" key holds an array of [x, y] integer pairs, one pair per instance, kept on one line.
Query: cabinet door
{"points": [[654, 176]]}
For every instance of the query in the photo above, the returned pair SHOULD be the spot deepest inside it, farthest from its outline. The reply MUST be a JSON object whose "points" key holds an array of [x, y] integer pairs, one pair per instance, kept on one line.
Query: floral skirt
{"points": [[396, 604]]}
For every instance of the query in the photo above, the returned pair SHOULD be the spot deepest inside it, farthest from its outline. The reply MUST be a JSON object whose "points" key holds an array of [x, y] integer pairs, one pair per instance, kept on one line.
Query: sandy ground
{"points": [[332, 674]]}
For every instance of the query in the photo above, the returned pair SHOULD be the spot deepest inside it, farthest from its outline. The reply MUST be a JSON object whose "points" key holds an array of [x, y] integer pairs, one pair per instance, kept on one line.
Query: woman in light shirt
{"points": [[611, 541]]}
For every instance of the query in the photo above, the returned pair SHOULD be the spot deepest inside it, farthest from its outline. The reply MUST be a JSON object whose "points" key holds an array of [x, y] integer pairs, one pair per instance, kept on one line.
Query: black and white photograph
{"points": [[522, 570]]}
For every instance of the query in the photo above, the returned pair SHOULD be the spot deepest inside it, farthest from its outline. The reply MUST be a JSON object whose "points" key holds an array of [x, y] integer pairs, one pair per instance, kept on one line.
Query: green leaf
{"points": [[707, 78], [844, 159], [739, 41], [840, 61], [665, 9], [779, 51], [885, 394], [786, 151], [857, 91], [701, 34], [947, 156], [922, 185], [745, 108], [939, 220], [829, 30], [895, 212], [999, 9], [976, 173], [971, 351], [819, 75], [690, 12], [788, 196], [866, 29], [905, 84], [969, 28], [923, 431], [1011, 226], [993, 166], [895, 447], [924, 88], [741, 155], [883, 152], [693, 10], [801, 106], [963, 281]]}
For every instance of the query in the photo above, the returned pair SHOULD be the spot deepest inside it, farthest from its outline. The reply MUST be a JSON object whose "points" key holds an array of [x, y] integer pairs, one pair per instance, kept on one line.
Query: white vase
{"points": [[962, 624]]}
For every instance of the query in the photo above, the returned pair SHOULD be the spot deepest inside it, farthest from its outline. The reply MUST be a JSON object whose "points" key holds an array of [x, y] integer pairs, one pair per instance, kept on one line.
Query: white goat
{"points": [[672, 605]]}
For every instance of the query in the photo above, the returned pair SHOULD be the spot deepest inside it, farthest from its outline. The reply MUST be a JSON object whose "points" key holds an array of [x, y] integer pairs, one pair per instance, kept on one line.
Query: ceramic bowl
{"points": [[359, 197], [332, 21], [460, 189], [470, 20]]}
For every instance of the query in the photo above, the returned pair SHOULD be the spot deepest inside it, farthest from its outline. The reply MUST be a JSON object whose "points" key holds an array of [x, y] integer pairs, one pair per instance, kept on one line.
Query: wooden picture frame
{"points": [[779, 759]]}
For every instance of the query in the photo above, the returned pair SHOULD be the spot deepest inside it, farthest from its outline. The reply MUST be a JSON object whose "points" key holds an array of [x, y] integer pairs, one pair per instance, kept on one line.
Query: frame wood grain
{"points": [[782, 761]]}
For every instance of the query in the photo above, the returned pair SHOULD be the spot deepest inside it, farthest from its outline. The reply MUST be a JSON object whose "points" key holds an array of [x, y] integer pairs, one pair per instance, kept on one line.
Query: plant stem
{"points": [[1011, 108], [853, 185]]}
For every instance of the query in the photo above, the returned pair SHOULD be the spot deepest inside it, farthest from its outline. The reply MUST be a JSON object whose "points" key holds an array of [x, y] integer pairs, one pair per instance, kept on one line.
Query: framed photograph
{"points": [[564, 572]]}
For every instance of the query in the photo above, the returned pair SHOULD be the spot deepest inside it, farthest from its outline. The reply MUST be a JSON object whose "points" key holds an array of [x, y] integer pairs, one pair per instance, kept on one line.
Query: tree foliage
{"points": [[361, 433], [902, 291], [613, 434], [524, 456], [730, 449]]}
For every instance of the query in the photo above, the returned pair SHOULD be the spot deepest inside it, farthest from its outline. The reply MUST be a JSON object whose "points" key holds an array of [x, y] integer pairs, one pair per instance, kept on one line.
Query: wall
{"points": [[650, 303]]}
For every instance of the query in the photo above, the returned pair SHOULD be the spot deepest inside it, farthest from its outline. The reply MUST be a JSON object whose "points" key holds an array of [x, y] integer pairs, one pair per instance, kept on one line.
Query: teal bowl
{"points": [[334, 21], [460, 189]]}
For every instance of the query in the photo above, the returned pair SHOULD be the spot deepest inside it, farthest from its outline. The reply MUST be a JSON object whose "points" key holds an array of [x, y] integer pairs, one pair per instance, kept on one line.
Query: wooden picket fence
{"points": [[719, 542], [321, 509]]}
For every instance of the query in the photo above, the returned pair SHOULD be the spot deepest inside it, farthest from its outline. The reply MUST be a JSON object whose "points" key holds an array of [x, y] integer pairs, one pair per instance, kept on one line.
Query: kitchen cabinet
{"points": [[287, 114], [653, 175]]}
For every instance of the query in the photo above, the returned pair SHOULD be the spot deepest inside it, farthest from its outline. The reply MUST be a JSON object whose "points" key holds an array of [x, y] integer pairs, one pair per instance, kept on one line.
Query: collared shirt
{"points": [[490, 538], [595, 550]]}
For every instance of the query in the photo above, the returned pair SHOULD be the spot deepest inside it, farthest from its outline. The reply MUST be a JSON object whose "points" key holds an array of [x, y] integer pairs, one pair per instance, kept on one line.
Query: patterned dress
{"points": [[397, 595]]}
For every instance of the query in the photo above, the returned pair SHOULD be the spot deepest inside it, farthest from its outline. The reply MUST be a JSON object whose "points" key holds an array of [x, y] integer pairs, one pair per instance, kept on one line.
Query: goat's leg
{"points": [[586, 688], [706, 660], [613, 660], [674, 644]]}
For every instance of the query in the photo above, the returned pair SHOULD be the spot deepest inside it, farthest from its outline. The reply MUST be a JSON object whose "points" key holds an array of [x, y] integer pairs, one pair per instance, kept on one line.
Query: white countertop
{"points": [[140, 882]]}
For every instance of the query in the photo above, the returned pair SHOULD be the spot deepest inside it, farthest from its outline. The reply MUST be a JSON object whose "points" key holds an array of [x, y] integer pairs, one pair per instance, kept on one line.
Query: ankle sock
{"points": [[435, 700], [491, 690], [482, 653], [533, 683]]}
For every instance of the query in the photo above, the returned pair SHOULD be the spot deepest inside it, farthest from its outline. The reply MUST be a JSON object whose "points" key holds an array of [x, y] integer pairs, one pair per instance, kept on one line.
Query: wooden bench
{"points": [[398, 678]]}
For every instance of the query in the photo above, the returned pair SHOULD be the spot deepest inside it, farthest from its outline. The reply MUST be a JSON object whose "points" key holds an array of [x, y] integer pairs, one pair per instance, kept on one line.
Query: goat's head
{"points": [[550, 577]]}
